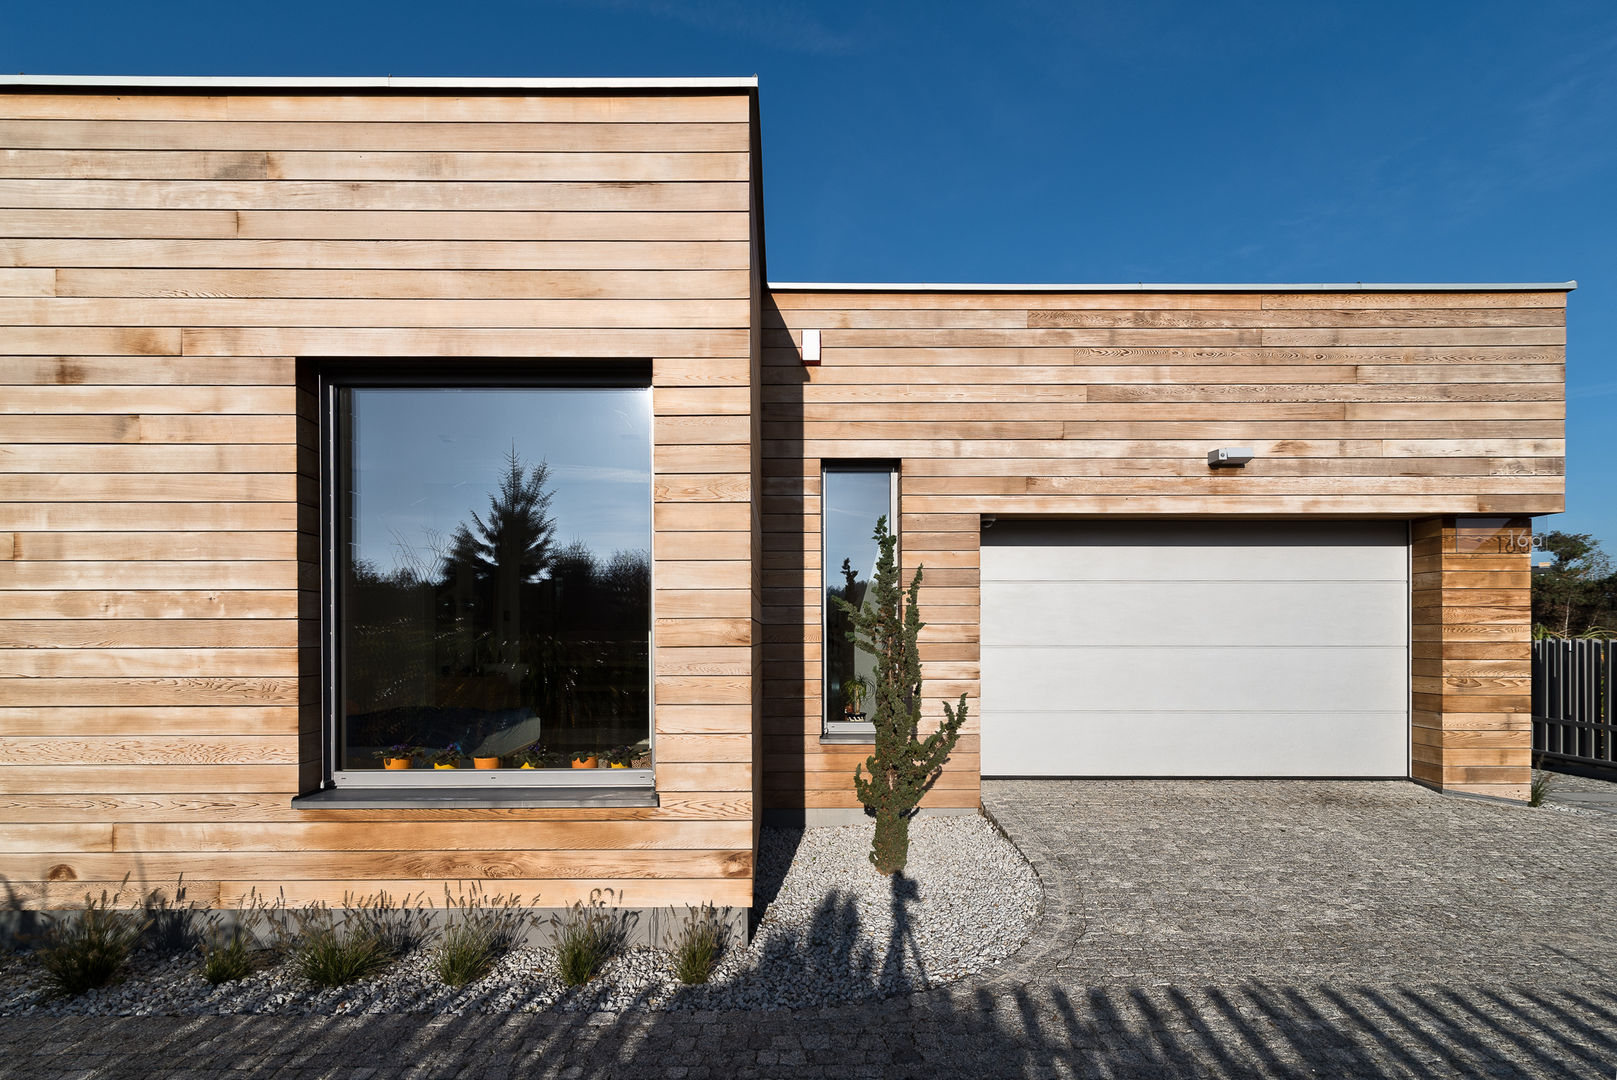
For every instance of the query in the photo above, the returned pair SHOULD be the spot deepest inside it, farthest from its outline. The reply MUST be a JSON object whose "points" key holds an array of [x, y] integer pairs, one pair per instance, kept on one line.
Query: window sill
{"points": [[468, 798], [864, 734]]}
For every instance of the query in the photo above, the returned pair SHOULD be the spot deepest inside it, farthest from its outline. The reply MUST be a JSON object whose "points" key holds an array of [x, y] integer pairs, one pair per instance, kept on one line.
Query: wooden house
{"points": [[352, 424]]}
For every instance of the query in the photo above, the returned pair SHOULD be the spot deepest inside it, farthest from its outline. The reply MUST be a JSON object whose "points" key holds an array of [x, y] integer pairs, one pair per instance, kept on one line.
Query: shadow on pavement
{"points": [[992, 1030], [1312, 1023], [1126, 1032]]}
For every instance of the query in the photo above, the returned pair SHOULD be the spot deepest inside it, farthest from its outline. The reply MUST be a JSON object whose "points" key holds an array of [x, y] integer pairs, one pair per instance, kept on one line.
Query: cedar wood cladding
{"points": [[1390, 404], [1471, 663], [164, 259]]}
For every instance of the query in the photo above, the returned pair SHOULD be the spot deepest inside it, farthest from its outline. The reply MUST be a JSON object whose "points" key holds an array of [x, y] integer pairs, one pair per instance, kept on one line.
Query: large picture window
{"points": [[490, 593], [853, 498]]}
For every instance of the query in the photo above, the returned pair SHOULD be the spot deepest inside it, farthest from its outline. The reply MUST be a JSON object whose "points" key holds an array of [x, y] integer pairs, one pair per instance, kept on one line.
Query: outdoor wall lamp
{"points": [[811, 347], [1233, 456]]}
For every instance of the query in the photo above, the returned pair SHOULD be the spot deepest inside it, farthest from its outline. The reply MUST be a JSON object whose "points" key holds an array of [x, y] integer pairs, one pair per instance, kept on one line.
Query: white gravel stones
{"points": [[1565, 808], [834, 931]]}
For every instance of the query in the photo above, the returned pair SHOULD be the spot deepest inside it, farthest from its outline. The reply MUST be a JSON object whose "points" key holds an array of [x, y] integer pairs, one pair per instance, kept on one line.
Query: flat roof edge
{"points": [[1149, 287], [254, 82]]}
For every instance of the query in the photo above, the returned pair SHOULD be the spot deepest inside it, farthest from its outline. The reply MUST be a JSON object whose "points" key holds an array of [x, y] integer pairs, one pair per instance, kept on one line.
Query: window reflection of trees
{"points": [[845, 660], [499, 638]]}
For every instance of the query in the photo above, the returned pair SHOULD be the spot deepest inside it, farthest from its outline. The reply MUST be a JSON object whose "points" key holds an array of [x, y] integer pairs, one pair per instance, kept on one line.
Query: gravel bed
{"points": [[834, 931]]}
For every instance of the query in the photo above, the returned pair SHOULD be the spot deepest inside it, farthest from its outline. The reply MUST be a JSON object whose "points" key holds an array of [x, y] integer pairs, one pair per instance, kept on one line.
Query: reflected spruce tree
{"points": [[510, 549], [500, 632], [492, 564]]}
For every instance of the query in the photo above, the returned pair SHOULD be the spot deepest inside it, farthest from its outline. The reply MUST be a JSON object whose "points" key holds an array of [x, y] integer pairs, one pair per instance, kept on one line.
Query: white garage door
{"points": [[1195, 649]]}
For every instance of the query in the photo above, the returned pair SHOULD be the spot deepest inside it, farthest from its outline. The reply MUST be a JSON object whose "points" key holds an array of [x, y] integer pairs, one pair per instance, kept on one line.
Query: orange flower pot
{"points": [[396, 763], [588, 763], [486, 762]]}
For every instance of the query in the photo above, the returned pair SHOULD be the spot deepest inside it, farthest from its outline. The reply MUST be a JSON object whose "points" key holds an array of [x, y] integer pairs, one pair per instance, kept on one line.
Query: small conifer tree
{"points": [[903, 766]]}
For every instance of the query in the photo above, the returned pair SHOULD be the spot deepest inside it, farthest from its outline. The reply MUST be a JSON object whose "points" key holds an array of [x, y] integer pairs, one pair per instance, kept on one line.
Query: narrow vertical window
{"points": [[853, 498]]}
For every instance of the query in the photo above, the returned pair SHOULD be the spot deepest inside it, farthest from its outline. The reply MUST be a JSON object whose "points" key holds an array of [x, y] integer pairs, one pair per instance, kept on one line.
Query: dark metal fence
{"points": [[1573, 700]]}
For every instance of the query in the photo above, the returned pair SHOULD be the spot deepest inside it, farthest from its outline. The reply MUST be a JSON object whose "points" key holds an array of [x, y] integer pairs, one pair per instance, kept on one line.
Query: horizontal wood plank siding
{"points": [[165, 260], [1470, 655], [1398, 404]]}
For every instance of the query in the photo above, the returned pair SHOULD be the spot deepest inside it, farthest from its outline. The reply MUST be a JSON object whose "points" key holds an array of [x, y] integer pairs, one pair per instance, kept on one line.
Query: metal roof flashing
{"points": [[1147, 287], [362, 83]]}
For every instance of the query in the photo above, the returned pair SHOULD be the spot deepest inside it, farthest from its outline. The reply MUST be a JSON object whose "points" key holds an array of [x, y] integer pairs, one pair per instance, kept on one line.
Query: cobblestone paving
{"points": [[1582, 792], [1218, 929], [1572, 782]]}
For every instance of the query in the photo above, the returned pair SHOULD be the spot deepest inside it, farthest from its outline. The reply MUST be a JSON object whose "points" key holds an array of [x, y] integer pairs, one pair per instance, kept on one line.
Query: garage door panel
{"points": [[1295, 679], [1197, 744], [1104, 551], [1192, 613], [1182, 648]]}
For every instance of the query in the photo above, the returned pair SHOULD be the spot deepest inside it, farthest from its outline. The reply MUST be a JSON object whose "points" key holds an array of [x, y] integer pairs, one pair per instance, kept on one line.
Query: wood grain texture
{"points": [[1070, 405], [345, 137], [394, 284], [1471, 661], [295, 165], [165, 260], [372, 195]]}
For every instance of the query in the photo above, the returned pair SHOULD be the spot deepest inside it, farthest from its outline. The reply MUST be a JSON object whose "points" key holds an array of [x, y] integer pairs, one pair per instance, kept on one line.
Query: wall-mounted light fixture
{"points": [[811, 346], [1229, 456]]}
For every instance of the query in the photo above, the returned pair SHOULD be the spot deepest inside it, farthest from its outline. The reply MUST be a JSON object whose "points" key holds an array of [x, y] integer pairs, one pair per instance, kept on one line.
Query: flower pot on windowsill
{"points": [[449, 757], [396, 763], [486, 762], [586, 763]]}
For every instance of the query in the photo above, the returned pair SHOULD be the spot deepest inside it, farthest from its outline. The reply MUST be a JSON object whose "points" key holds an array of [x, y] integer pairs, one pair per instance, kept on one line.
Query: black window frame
{"points": [[832, 730], [334, 376]]}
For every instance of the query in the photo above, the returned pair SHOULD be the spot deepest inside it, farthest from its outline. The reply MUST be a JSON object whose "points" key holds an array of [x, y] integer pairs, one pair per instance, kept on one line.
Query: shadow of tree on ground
{"points": [[988, 1029], [1049, 1030]]}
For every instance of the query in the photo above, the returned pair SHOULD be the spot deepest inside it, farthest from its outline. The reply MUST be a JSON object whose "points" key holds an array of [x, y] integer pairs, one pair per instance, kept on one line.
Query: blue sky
{"points": [[1039, 140]]}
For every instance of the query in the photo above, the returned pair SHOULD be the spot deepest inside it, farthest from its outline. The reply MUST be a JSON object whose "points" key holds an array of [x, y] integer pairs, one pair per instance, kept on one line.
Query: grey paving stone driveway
{"points": [[1219, 928], [1580, 791]]}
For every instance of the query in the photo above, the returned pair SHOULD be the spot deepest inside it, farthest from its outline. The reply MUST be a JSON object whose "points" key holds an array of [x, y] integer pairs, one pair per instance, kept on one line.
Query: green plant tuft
{"points": [[401, 926], [330, 949], [466, 954], [585, 939], [339, 954], [228, 957], [175, 923], [1539, 789], [479, 932], [697, 945], [233, 946], [87, 949]]}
